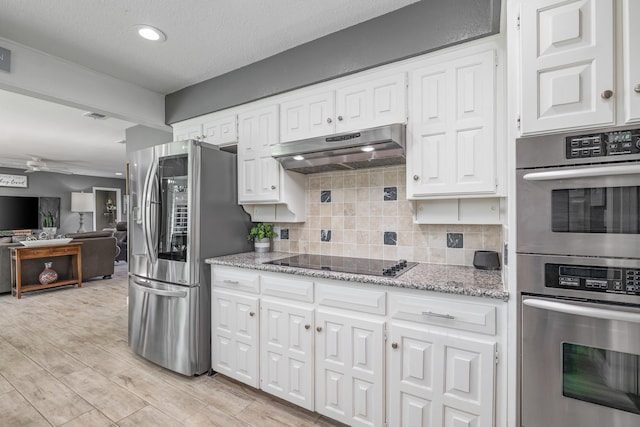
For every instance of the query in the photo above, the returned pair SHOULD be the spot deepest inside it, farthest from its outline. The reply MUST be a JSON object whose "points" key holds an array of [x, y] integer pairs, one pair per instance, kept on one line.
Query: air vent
{"points": [[96, 116]]}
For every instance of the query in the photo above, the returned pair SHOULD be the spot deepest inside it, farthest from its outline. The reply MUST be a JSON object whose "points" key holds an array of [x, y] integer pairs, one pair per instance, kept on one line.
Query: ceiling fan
{"points": [[37, 164]]}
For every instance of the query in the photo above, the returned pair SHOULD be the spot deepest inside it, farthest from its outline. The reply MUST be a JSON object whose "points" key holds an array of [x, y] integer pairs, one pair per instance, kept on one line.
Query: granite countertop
{"points": [[451, 279]]}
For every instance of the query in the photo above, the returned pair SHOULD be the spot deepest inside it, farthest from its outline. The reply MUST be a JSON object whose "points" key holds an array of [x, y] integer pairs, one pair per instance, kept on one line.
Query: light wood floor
{"points": [[64, 360]]}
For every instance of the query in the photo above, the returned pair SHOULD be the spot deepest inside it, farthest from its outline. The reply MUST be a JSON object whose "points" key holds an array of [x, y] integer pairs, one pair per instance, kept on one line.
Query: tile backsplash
{"points": [[365, 214]]}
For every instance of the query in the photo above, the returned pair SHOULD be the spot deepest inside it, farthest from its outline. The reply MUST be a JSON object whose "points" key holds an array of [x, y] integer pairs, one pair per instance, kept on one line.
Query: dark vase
{"points": [[48, 275]]}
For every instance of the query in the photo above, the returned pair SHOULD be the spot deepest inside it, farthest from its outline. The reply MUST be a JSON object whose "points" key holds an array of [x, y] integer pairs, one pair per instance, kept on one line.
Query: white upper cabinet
{"points": [[369, 101], [451, 143], [215, 128], [567, 64], [258, 172], [307, 116], [631, 59]]}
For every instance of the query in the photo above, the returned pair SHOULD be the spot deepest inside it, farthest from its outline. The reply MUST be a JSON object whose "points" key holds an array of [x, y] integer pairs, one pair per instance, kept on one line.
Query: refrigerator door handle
{"points": [[146, 212], [159, 292]]}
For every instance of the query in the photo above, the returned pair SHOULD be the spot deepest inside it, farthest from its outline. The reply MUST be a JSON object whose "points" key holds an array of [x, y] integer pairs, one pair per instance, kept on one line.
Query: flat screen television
{"points": [[18, 213]]}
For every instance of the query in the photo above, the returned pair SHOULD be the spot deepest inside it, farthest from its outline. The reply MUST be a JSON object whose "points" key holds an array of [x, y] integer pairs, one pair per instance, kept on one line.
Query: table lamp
{"points": [[81, 203]]}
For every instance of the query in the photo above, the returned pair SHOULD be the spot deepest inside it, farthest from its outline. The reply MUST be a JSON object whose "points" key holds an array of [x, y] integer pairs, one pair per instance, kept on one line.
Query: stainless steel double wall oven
{"points": [[578, 245]]}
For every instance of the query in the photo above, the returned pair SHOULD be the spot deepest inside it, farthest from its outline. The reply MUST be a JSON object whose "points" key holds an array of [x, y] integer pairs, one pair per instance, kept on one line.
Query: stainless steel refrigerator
{"points": [[183, 209]]}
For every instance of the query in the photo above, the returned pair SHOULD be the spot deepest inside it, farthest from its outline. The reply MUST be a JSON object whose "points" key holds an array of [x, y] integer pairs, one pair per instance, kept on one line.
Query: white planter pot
{"points": [[262, 245], [50, 232]]}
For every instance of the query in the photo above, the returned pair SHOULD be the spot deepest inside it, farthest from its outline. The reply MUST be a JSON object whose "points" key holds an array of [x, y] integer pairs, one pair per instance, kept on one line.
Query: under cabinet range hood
{"points": [[380, 146]]}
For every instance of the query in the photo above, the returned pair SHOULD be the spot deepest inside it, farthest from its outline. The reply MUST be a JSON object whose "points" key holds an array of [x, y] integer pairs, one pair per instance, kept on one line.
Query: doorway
{"points": [[108, 208]]}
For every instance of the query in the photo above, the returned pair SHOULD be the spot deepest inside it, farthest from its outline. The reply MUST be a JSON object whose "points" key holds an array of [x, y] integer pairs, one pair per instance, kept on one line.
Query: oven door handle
{"points": [[583, 173], [578, 310]]}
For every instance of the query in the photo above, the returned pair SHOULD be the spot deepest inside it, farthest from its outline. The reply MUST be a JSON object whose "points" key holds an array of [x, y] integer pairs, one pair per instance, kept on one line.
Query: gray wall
{"points": [[139, 137], [47, 184], [416, 29]]}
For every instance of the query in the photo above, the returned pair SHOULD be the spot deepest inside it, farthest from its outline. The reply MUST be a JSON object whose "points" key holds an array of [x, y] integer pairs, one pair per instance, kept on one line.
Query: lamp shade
{"points": [[81, 202]]}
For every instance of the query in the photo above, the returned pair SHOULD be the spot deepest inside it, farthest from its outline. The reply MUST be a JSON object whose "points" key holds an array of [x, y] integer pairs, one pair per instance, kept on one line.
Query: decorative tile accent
{"points": [[284, 234], [325, 196], [325, 235], [454, 240], [390, 193], [390, 238]]}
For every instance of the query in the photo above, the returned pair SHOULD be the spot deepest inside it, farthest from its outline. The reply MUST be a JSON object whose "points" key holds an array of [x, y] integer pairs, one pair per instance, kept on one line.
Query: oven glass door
{"points": [[580, 364], [559, 213]]}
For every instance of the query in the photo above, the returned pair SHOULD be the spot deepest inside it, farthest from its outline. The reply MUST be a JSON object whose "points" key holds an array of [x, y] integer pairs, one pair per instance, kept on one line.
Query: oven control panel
{"points": [[593, 279], [603, 144]]}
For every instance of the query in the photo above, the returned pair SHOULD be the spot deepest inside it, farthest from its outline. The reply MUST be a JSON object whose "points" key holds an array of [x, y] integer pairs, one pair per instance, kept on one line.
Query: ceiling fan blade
{"points": [[63, 171]]}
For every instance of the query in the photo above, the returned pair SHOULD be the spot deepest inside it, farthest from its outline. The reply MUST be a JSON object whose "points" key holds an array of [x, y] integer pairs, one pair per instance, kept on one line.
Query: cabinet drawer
{"points": [[466, 316], [231, 278], [363, 300], [45, 252], [295, 289]]}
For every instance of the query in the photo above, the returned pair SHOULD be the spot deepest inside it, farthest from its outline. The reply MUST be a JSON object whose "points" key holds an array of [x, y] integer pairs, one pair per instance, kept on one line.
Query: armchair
{"points": [[121, 240]]}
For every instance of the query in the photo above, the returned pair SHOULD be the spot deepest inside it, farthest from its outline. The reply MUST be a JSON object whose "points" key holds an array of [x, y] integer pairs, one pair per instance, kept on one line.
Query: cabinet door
{"points": [[451, 143], [221, 131], [439, 379], [286, 351], [631, 59], [258, 178], [567, 64], [187, 131], [350, 368], [307, 116], [258, 172], [372, 103], [234, 341], [258, 130]]}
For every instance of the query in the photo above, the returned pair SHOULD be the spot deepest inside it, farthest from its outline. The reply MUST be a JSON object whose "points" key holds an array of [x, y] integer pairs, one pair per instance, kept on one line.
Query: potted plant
{"points": [[261, 235], [48, 224]]}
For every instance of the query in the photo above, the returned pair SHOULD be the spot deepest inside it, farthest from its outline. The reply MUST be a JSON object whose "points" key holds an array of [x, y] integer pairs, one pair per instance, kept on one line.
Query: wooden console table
{"points": [[19, 254]]}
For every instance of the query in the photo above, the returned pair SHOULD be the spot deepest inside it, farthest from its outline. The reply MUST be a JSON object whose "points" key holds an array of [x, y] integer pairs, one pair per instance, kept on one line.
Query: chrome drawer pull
{"points": [[231, 282], [432, 314]]}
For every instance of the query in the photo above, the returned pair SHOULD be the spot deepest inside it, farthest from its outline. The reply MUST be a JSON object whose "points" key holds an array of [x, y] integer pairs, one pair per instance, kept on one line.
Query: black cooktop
{"points": [[372, 267]]}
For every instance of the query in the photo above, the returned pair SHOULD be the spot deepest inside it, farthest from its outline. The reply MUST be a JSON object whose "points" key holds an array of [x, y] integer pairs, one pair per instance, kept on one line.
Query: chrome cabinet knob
{"points": [[307, 326], [416, 177], [340, 118], [636, 88], [251, 313], [273, 187], [329, 120], [606, 94], [394, 345], [319, 329]]}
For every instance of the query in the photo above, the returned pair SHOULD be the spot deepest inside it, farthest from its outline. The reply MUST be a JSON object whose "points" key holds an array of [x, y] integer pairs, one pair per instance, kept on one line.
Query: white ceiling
{"points": [[205, 38], [61, 136]]}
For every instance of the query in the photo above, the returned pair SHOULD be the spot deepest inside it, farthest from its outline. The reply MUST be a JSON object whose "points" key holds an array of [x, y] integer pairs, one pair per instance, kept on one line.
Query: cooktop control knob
{"points": [[403, 262]]}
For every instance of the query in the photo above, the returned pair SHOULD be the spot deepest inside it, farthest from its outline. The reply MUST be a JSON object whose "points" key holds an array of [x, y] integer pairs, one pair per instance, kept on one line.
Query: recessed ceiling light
{"points": [[150, 33], [367, 149], [298, 158], [119, 173]]}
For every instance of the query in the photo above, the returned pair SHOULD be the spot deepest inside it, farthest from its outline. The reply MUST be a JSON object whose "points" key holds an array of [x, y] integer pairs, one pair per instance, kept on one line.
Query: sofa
{"points": [[99, 250]]}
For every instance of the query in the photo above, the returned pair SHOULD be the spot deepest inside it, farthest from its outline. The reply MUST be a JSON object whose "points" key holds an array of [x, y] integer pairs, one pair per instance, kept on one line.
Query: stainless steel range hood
{"points": [[380, 146]]}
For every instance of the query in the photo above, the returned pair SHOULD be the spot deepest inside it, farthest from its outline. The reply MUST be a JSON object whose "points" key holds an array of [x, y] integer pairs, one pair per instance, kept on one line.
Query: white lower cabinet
{"points": [[286, 350], [359, 354], [234, 330], [350, 367], [439, 378]]}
